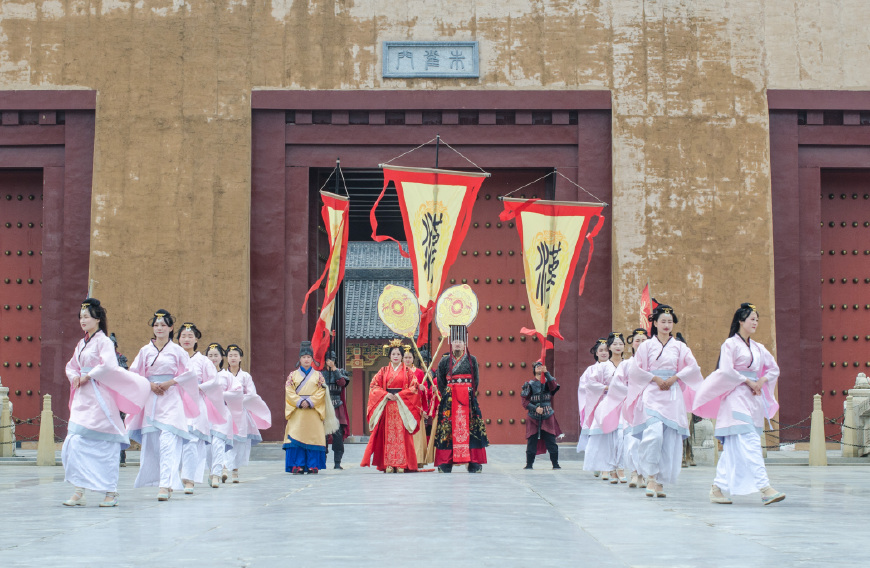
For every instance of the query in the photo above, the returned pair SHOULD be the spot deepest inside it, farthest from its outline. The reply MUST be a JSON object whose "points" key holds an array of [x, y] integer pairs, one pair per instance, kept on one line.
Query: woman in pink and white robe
{"points": [[597, 378], [604, 452], [661, 387], [161, 427], [222, 433], [210, 401], [739, 394], [99, 391], [250, 414], [630, 443]]}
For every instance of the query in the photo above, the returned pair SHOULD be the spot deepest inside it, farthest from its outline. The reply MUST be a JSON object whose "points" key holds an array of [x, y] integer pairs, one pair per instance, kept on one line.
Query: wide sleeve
{"points": [[639, 377], [108, 359], [291, 399], [319, 398], [187, 383], [409, 403], [377, 392], [442, 374], [475, 374], [688, 370], [639, 373], [581, 393], [249, 386], [73, 369], [769, 370], [721, 382], [138, 365]]}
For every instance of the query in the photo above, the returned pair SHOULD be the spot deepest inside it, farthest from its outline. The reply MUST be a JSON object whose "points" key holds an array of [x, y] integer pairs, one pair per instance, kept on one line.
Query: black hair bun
{"points": [[91, 301]]}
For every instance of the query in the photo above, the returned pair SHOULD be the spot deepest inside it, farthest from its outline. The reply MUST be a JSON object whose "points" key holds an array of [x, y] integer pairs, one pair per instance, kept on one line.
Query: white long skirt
{"points": [[92, 464], [604, 452], [193, 460], [160, 460], [239, 454], [629, 451], [660, 453], [217, 455], [741, 469]]}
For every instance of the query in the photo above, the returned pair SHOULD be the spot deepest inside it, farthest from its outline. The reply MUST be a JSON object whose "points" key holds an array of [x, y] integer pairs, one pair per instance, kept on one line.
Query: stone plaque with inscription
{"points": [[403, 59]]}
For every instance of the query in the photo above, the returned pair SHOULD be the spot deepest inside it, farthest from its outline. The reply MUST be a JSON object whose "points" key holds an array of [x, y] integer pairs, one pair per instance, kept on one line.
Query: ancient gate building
{"points": [[169, 153]]}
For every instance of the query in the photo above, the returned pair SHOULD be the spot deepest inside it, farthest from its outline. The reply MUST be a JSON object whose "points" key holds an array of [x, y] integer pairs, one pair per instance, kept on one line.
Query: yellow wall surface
{"points": [[172, 167]]}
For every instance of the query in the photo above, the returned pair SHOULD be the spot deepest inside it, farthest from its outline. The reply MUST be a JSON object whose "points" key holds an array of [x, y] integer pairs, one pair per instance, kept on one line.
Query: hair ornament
{"points": [[602, 341], [752, 307], [393, 343], [188, 326], [212, 346], [667, 310]]}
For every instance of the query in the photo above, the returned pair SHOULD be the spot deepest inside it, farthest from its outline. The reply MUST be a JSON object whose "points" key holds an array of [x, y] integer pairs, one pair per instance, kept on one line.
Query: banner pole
{"points": [[337, 168], [437, 146]]}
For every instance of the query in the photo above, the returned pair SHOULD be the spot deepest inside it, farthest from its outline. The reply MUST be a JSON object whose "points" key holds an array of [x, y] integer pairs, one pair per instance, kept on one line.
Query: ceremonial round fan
{"points": [[457, 305], [399, 310]]}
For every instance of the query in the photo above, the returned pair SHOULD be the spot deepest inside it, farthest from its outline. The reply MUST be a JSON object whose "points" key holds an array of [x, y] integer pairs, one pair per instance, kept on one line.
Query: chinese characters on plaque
{"points": [[404, 59]]}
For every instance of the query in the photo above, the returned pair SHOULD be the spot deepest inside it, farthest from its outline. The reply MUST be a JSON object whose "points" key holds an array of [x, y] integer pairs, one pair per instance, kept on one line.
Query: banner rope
{"points": [[329, 177], [462, 156], [557, 172], [412, 150]]}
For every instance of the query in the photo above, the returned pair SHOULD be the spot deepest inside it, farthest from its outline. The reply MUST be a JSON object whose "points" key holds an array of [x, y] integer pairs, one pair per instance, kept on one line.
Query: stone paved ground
{"points": [[504, 517]]}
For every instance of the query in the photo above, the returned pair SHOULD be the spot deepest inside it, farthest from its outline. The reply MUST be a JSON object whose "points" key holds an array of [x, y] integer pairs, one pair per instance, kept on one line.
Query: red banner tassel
{"points": [[319, 343], [315, 287], [373, 220], [425, 319], [511, 209], [591, 235]]}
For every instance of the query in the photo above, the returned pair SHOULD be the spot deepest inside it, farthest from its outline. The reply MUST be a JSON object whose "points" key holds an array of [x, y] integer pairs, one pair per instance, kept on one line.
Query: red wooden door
{"points": [[20, 291], [845, 279], [490, 262]]}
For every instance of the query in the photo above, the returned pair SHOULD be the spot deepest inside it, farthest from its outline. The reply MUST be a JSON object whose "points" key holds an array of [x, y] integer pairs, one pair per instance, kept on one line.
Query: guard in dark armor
{"points": [[460, 435], [336, 382], [542, 429]]}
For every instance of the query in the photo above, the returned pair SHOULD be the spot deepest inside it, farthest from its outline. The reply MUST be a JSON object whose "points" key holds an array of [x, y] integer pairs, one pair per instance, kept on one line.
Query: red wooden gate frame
{"points": [[65, 154], [798, 153], [281, 206]]}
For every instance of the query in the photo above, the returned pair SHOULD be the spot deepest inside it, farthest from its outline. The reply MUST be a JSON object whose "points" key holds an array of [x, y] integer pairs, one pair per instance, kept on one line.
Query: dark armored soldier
{"points": [[336, 382], [541, 425]]}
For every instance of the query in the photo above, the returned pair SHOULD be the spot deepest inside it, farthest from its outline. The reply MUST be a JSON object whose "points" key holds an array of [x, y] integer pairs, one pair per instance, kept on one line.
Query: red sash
{"points": [[460, 388]]}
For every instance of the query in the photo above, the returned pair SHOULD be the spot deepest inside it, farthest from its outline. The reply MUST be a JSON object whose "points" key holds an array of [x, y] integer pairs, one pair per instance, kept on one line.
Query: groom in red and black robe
{"points": [[460, 436]]}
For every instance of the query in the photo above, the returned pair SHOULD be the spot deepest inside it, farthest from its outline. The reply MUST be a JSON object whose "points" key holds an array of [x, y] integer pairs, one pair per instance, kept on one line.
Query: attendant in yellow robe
{"points": [[309, 415]]}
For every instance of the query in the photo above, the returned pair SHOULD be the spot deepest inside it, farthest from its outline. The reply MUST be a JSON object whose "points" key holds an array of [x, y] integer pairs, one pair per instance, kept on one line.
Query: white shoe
{"points": [[213, 481], [78, 498], [717, 497]]}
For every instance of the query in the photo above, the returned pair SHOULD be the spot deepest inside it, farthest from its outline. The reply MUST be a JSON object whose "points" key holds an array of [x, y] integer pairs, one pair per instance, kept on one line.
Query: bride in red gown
{"points": [[393, 415]]}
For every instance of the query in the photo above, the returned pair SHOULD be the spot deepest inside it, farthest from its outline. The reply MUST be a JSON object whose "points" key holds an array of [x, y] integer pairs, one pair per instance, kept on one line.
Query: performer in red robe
{"points": [[460, 433], [393, 415]]}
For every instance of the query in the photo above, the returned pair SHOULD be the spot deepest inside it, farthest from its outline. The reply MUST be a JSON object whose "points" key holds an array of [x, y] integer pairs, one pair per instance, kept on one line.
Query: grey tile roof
{"points": [[361, 308], [369, 268], [361, 254]]}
